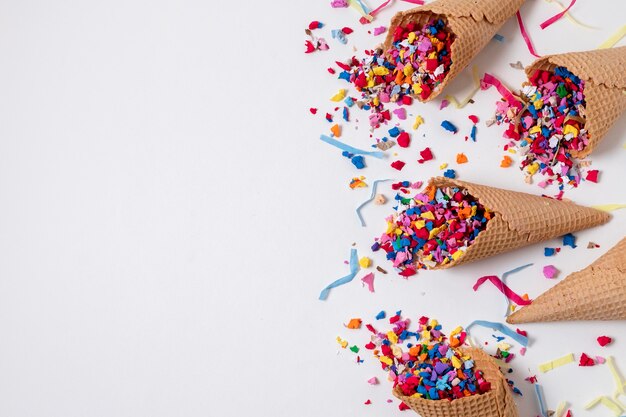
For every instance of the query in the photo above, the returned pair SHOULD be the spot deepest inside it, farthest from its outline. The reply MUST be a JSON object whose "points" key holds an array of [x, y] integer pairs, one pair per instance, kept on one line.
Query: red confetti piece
{"points": [[368, 402], [398, 165], [329, 117], [331, 70], [315, 25], [473, 118], [313, 110], [409, 272], [343, 66], [426, 155], [604, 340], [309, 47], [585, 360], [404, 140], [522, 332], [403, 407], [592, 175], [347, 30]]}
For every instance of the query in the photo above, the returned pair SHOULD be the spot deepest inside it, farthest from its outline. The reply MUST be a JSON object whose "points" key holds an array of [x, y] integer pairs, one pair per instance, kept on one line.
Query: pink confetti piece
{"points": [[372, 381], [600, 359], [401, 113], [444, 104], [369, 281], [510, 294], [379, 30], [556, 16], [529, 42], [549, 271]]}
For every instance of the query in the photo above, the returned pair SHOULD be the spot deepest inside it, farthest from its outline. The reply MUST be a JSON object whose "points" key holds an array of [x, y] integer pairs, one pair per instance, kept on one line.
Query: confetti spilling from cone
{"points": [[432, 228]]}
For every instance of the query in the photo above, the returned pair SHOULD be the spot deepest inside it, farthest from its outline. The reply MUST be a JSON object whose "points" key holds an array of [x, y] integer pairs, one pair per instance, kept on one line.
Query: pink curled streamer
{"points": [[509, 293], [556, 16], [506, 94], [522, 29]]}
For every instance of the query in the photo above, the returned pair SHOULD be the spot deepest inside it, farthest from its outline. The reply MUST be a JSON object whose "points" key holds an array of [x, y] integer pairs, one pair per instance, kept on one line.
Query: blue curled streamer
{"points": [[522, 340], [506, 274], [349, 148], [358, 209], [542, 404], [354, 268]]}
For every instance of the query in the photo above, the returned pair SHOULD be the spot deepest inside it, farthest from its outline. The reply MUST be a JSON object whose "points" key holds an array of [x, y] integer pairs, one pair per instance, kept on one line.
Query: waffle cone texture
{"points": [[496, 403], [473, 22], [604, 73], [520, 219], [598, 292]]}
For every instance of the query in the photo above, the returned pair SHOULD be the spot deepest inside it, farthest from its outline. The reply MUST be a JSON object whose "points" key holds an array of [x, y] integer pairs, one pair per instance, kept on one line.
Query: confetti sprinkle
{"points": [[585, 360], [354, 324], [433, 228], [357, 182], [449, 126], [461, 158], [426, 155], [569, 240], [506, 161], [604, 340]]}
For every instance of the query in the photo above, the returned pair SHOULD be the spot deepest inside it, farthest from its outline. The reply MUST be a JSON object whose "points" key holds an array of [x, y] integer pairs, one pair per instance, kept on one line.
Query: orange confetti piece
{"points": [[461, 158], [336, 130], [354, 324], [506, 161]]}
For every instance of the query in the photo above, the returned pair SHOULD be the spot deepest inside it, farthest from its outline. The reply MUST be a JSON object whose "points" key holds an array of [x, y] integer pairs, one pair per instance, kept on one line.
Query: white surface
{"points": [[168, 215]]}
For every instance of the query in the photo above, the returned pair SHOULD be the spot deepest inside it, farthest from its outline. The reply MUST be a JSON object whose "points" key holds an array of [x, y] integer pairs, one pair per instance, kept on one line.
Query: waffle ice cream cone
{"points": [[598, 292], [520, 219], [473, 22], [496, 403], [604, 73]]}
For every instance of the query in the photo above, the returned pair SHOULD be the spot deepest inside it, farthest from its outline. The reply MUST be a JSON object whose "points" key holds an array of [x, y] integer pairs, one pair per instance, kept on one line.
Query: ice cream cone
{"points": [[498, 402], [473, 22], [520, 219], [604, 73], [598, 292]]}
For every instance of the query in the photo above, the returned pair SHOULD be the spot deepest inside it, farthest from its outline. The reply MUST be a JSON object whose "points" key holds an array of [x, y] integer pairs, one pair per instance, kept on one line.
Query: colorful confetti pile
{"points": [[416, 64], [549, 127], [432, 228], [434, 368]]}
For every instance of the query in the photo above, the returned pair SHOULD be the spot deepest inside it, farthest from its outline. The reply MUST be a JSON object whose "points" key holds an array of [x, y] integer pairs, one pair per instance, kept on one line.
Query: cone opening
{"points": [[433, 229], [550, 129]]}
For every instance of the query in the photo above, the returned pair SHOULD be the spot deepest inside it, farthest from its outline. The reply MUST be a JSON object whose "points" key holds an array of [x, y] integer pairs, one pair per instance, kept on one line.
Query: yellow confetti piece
{"points": [[419, 120], [341, 94], [381, 71], [365, 262], [564, 360], [607, 402], [456, 255], [343, 343], [467, 99], [570, 129], [443, 166], [614, 38], [393, 338], [609, 207], [386, 360], [456, 362]]}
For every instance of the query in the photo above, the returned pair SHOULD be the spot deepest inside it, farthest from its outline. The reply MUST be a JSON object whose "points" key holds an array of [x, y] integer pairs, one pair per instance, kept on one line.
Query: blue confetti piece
{"points": [[450, 174], [354, 268], [569, 240], [358, 162], [449, 126], [498, 37], [473, 133], [349, 148], [394, 131], [549, 251], [380, 315]]}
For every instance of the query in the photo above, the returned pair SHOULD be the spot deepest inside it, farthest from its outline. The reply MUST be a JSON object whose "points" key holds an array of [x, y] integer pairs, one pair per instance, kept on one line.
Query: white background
{"points": [[168, 214]]}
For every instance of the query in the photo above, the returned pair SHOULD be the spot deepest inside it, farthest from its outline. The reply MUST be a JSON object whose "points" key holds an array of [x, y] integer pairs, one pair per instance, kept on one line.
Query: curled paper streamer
{"points": [[509, 293], [614, 38], [542, 404], [354, 268], [522, 340], [489, 79], [569, 15], [556, 16], [529, 43], [555, 363], [358, 209], [609, 207], [504, 276], [467, 99], [349, 148]]}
